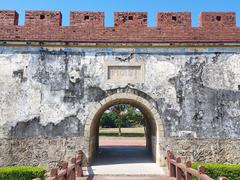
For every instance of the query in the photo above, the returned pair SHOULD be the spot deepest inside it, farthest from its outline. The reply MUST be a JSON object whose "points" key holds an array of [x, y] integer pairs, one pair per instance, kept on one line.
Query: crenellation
{"points": [[130, 20], [43, 18], [87, 19], [128, 27], [174, 19], [217, 19], [8, 18]]}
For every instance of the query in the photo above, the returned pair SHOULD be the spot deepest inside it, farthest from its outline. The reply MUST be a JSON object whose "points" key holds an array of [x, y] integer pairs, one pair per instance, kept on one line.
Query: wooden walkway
{"points": [[126, 163]]}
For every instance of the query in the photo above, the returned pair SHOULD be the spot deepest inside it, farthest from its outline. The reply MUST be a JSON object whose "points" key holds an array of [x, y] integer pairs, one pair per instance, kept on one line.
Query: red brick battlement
{"points": [[128, 27]]}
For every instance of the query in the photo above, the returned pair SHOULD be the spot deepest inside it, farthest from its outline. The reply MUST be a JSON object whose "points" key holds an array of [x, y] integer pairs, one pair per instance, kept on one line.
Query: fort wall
{"points": [[51, 98]]}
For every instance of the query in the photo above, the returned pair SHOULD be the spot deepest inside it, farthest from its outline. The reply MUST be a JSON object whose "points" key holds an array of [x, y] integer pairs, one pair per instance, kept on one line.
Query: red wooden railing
{"points": [[68, 171], [184, 171]]}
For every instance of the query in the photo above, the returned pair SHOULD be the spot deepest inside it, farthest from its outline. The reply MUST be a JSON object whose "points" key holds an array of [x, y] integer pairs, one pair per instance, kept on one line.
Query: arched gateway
{"points": [[55, 82], [154, 125]]}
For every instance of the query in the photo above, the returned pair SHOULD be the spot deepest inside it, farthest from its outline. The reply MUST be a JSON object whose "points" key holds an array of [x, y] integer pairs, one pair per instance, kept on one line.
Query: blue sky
{"points": [[109, 6]]}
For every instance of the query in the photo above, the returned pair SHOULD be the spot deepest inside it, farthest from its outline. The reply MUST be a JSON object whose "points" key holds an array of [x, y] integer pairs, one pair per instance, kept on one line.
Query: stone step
{"points": [[126, 177]]}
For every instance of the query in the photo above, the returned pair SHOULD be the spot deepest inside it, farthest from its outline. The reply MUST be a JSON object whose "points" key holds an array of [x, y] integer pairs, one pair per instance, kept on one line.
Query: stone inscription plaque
{"points": [[125, 74]]}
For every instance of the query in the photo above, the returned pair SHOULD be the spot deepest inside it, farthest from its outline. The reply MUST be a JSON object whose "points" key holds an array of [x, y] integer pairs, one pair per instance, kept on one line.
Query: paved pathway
{"points": [[127, 178], [122, 143], [119, 160]]}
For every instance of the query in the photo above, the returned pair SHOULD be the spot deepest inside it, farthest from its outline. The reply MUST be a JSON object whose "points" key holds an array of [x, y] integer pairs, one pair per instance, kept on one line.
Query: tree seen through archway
{"points": [[122, 116]]}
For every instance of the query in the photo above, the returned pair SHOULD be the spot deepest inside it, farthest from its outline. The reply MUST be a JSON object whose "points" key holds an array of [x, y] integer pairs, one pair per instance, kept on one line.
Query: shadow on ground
{"points": [[124, 161], [122, 155], [123, 134]]}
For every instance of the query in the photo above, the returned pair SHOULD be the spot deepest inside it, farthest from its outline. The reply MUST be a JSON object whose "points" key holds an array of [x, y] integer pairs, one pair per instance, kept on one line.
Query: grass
{"points": [[127, 133], [21, 172], [214, 170]]}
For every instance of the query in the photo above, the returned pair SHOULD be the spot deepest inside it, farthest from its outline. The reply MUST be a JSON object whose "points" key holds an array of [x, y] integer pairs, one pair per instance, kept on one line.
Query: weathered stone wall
{"points": [[49, 92], [47, 152], [209, 150]]}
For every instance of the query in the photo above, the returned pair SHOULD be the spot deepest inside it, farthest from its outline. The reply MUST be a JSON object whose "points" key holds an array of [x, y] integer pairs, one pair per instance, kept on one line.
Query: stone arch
{"points": [[149, 111]]}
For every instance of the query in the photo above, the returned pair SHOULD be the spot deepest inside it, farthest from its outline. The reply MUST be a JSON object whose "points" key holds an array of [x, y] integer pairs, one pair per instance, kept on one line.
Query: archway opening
{"points": [[123, 124], [152, 121], [124, 132]]}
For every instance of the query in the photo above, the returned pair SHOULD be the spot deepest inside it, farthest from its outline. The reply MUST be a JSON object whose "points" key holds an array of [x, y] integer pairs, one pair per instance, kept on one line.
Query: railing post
{"points": [[188, 175], [53, 174], [65, 168], [168, 158], [79, 157], [172, 168], [185, 171], [72, 173], [178, 169], [169, 163], [67, 172], [201, 170]]}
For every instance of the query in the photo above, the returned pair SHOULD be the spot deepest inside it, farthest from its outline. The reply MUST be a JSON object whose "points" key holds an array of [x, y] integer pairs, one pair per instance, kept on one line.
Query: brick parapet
{"points": [[128, 27]]}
